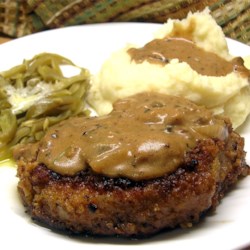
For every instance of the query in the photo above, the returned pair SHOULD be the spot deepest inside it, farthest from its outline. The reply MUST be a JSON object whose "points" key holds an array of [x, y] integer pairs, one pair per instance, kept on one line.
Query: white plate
{"points": [[88, 46]]}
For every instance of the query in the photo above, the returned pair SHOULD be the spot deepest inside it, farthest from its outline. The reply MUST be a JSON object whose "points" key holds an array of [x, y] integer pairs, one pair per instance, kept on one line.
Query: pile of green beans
{"points": [[64, 98]]}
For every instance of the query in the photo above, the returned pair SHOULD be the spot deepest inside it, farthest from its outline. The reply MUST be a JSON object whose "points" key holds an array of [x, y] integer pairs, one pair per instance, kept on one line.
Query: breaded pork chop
{"points": [[120, 201]]}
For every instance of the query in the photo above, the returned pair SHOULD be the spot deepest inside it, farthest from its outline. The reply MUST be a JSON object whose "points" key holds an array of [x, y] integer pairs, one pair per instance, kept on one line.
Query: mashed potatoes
{"points": [[120, 76], [247, 62]]}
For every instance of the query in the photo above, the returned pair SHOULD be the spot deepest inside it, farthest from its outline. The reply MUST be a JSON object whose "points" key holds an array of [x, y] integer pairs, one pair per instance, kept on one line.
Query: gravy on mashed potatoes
{"points": [[186, 59]]}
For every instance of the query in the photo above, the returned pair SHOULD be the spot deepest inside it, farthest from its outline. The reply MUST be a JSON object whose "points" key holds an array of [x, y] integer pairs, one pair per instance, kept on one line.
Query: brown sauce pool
{"points": [[144, 137], [161, 51]]}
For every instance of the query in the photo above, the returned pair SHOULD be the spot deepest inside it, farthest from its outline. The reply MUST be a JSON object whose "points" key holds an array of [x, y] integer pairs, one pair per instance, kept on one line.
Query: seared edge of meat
{"points": [[95, 204]]}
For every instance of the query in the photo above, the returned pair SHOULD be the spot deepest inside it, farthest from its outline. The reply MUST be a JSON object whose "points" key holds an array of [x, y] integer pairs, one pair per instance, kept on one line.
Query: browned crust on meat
{"points": [[94, 204]]}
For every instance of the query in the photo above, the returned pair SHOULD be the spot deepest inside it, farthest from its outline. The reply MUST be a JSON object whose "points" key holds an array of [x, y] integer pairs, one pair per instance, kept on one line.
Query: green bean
{"points": [[4, 104], [46, 97], [21, 133], [13, 72], [7, 126]]}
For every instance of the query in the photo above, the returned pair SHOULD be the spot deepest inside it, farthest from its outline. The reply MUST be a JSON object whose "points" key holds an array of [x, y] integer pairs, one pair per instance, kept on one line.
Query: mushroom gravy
{"points": [[161, 51], [144, 137]]}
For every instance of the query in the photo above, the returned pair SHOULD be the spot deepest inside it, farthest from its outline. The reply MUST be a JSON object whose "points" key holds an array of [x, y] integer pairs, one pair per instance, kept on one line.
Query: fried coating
{"points": [[88, 203]]}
